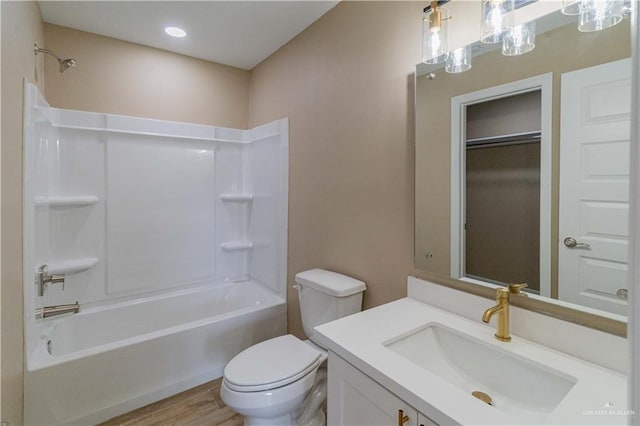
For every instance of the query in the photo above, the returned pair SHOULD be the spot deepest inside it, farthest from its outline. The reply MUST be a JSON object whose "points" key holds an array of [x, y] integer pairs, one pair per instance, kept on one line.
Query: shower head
{"points": [[64, 63]]}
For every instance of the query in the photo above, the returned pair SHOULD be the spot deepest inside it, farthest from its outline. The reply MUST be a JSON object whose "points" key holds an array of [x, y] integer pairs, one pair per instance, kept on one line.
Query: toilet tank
{"points": [[325, 296]]}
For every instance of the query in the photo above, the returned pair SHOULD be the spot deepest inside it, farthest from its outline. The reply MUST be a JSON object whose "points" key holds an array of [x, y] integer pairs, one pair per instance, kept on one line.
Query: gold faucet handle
{"points": [[516, 288], [502, 293]]}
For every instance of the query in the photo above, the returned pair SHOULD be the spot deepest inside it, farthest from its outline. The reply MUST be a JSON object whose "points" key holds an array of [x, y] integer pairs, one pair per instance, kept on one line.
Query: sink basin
{"points": [[515, 384]]}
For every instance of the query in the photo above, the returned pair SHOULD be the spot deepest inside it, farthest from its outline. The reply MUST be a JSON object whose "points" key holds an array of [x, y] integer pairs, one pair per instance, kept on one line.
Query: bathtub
{"points": [[105, 361]]}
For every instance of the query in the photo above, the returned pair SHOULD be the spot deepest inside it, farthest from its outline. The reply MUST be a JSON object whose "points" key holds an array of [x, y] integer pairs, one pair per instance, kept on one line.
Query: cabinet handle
{"points": [[402, 419]]}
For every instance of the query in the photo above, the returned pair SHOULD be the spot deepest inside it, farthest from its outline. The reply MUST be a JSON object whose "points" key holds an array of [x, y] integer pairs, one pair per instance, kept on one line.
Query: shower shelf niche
{"points": [[236, 246], [72, 266], [237, 198], [67, 201]]}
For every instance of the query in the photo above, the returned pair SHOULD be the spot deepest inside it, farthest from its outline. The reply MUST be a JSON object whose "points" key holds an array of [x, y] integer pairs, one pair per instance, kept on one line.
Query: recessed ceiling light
{"points": [[175, 32]]}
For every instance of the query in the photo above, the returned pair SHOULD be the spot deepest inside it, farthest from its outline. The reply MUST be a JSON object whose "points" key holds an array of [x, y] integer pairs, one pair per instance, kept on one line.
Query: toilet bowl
{"points": [[271, 380], [282, 381]]}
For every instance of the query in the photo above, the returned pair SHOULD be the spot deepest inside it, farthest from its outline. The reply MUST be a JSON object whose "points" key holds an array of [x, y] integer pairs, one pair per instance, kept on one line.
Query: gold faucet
{"points": [[502, 309]]}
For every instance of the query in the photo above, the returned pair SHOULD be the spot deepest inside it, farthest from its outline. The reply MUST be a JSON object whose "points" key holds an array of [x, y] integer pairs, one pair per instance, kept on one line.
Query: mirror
{"points": [[522, 167]]}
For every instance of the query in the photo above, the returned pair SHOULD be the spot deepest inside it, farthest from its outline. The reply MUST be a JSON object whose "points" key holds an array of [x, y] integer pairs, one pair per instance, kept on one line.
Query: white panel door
{"points": [[594, 186]]}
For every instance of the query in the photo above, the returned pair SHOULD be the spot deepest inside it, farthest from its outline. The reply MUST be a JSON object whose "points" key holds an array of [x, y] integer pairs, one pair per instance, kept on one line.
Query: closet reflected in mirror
{"points": [[522, 167], [501, 224]]}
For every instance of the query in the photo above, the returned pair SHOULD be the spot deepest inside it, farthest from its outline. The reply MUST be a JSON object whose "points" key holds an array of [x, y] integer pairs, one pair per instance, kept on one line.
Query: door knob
{"points": [[572, 243], [623, 293]]}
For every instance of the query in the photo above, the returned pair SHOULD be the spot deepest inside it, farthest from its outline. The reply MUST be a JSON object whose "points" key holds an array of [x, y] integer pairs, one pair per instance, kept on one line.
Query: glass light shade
{"points": [[596, 15], [459, 60], [435, 36], [497, 20], [571, 7], [521, 39]]}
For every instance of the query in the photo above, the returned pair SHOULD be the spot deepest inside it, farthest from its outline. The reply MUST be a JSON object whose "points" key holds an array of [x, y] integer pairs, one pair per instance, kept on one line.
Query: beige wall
{"points": [[21, 27], [119, 77], [346, 85]]}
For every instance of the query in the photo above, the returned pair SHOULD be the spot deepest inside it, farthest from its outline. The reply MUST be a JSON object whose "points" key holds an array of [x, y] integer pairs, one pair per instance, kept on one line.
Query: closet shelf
{"points": [[67, 201], [236, 246], [72, 266], [237, 198]]}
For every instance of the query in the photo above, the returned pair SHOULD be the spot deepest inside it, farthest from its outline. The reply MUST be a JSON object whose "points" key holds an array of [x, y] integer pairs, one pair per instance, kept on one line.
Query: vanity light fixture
{"points": [[458, 60], [175, 32], [434, 33], [520, 40], [596, 15], [497, 20]]}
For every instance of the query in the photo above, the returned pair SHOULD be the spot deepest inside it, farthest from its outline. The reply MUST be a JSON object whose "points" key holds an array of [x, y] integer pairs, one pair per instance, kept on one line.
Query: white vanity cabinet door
{"points": [[425, 421], [356, 400]]}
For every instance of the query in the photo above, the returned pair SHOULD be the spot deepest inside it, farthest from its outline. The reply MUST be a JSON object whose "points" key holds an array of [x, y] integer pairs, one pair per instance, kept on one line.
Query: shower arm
{"points": [[37, 50], [64, 63]]}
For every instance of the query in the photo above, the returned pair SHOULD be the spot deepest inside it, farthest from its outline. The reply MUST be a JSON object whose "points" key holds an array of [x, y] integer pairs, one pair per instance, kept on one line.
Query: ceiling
{"points": [[236, 33]]}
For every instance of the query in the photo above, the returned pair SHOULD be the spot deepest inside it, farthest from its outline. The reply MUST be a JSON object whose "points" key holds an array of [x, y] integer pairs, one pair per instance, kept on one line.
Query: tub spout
{"points": [[52, 311]]}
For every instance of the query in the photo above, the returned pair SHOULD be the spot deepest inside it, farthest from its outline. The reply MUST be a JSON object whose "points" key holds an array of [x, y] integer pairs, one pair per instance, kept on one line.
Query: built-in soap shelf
{"points": [[66, 201], [236, 246], [72, 266], [237, 198]]}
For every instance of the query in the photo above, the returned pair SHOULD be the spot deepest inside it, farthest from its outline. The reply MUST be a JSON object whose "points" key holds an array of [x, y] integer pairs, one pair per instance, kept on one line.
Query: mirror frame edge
{"points": [[597, 322]]}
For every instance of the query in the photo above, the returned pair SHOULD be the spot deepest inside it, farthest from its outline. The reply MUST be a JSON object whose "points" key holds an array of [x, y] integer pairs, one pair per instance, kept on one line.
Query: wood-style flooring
{"points": [[201, 405]]}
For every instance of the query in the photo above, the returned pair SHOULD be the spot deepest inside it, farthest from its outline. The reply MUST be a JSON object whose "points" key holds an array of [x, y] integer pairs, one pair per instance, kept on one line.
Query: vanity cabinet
{"points": [[355, 399]]}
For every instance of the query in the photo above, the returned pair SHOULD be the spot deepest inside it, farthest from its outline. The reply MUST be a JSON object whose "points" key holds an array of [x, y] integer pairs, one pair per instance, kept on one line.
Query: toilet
{"points": [[282, 381]]}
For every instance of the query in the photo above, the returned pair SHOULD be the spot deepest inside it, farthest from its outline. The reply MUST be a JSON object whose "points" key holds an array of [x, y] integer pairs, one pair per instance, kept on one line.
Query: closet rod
{"points": [[504, 140]]}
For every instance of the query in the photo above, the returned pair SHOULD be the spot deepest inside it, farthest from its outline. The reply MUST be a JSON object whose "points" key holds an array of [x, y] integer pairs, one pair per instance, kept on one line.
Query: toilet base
{"points": [[318, 420], [286, 420]]}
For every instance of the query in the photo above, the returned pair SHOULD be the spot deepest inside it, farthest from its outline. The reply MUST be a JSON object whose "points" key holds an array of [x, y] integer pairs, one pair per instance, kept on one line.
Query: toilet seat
{"points": [[287, 357]]}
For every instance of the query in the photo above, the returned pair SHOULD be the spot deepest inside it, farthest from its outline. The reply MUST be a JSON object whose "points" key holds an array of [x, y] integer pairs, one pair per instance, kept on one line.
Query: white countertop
{"points": [[598, 397]]}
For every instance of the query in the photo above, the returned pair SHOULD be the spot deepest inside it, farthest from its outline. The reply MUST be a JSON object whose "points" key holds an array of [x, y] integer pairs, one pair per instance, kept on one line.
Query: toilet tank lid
{"points": [[331, 283]]}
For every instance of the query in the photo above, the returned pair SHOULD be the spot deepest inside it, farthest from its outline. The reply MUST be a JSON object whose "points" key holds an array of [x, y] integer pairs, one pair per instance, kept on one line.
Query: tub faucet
{"points": [[52, 311], [43, 278], [502, 309]]}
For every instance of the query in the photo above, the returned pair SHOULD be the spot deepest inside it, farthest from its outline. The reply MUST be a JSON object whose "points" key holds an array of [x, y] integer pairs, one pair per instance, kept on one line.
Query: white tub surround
{"points": [[595, 395], [173, 239]]}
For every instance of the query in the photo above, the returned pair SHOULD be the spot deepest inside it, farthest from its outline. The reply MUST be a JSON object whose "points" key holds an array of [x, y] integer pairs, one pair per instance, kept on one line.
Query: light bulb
{"points": [[434, 36], [497, 20], [459, 60], [596, 15], [521, 39]]}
